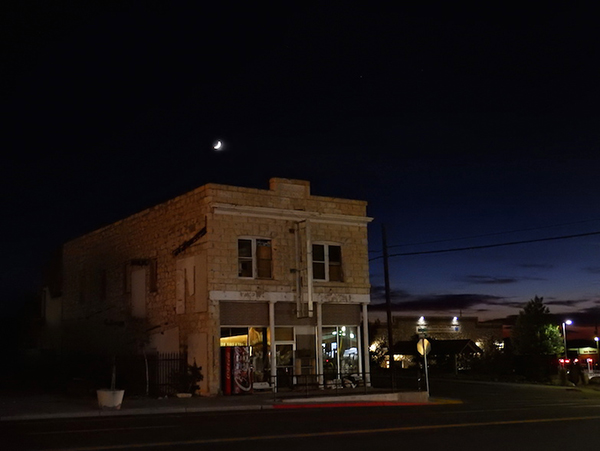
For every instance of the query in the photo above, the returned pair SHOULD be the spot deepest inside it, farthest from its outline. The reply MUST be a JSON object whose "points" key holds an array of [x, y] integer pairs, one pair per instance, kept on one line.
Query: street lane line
{"points": [[75, 431], [329, 434]]}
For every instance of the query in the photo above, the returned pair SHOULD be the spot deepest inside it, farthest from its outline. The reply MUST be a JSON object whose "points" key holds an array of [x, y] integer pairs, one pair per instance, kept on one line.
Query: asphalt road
{"points": [[491, 417]]}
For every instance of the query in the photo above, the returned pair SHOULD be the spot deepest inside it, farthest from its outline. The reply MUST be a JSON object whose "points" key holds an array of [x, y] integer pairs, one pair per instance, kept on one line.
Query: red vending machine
{"points": [[235, 370]]}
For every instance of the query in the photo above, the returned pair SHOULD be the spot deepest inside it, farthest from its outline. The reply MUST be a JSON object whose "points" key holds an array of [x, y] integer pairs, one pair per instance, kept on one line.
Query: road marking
{"points": [[328, 434], [75, 431]]}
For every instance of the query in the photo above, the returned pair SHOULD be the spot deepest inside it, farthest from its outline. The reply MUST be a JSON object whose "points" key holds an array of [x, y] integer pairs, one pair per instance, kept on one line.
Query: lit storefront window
{"points": [[340, 351], [257, 338]]}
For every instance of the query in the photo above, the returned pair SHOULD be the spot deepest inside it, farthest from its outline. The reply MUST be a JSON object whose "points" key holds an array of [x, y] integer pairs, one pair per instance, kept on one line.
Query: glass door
{"points": [[285, 364]]}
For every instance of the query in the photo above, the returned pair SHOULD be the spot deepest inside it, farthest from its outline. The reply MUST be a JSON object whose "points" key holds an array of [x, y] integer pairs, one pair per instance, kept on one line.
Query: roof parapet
{"points": [[290, 187]]}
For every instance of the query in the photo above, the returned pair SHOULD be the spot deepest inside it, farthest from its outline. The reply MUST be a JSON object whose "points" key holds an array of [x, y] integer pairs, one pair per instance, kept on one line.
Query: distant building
{"points": [[449, 336], [280, 270], [447, 328]]}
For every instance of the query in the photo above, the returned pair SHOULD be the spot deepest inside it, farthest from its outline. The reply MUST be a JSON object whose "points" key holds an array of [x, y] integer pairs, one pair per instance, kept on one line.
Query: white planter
{"points": [[110, 399]]}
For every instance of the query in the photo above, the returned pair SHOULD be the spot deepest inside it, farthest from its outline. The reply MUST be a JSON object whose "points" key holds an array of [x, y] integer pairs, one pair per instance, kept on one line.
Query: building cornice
{"points": [[277, 296], [289, 215]]}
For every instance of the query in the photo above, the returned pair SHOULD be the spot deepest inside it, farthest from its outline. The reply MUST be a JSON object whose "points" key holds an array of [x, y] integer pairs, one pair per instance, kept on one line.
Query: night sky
{"points": [[460, 127]]}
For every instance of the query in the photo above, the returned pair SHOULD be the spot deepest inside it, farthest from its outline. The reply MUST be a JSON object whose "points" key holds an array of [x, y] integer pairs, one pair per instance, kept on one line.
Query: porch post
{"points": [[272, 346], [320, 345], [365, 337]]}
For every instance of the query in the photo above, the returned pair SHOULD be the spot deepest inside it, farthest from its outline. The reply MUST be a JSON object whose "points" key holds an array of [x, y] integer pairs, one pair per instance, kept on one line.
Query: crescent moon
{"points": [[218, 145]]}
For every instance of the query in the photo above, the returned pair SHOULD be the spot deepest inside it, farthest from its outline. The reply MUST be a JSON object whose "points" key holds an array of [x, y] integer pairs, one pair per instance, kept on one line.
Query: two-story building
{"points": [[280, 271]]}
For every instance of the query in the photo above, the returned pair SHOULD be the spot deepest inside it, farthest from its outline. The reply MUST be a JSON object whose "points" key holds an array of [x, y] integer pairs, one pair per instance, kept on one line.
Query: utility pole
{"points": [[388, 304]]}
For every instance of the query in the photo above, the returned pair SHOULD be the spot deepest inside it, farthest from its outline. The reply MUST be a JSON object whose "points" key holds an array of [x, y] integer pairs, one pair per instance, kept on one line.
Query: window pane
{"points": [[284, 355], [245, 248], [348, 352], [260, 353], [245, 268], [329, 347], [335, 254], [318, 252], [263, 268], [263, 244], [319, 271], [263, 252], [234, 336], [263, 258], [284, 334]]}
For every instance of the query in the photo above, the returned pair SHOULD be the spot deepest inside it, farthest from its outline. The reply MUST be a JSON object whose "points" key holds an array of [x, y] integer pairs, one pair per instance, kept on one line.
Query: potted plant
{"points": [[188, 381], [111, 398]]}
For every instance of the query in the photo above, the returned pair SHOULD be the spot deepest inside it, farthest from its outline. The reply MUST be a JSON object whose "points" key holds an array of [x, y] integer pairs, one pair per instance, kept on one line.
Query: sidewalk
{"points": [[35, 406]]}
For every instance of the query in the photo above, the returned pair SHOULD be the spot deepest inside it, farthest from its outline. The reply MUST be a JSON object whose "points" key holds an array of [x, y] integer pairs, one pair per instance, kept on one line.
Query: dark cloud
{"points": [[535, 266], [507, 303], [566, 302], [589, 317], [488, 280], [476, 279], [378, 294], [592, 269], [584, 317], [439, 302]]}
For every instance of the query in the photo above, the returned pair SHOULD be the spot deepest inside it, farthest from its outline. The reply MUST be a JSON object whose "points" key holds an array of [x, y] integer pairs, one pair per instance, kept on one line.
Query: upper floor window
{"points": [[255, 258], [327, 262]]}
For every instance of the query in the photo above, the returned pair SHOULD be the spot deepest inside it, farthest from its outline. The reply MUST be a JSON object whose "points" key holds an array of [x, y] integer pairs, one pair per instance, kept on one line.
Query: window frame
{"points": [[327, 262], [254, 258]]}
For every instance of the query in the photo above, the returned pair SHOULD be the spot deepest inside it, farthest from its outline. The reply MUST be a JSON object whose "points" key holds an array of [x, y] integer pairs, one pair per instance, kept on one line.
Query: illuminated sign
{"points": [[437, 329]]}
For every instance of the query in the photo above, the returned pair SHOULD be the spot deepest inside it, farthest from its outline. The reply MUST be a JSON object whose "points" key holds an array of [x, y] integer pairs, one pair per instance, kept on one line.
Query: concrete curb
{"points": [[131, 412]]}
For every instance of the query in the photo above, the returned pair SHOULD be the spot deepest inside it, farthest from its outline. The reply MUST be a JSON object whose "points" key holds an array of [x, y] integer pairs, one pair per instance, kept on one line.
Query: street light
{"points": [[567, 322], [597, 339]]}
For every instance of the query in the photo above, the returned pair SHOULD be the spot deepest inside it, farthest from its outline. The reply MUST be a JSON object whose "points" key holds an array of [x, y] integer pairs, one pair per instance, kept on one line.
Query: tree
{"points": [[534, 333], [536, 340], [378, 348]]}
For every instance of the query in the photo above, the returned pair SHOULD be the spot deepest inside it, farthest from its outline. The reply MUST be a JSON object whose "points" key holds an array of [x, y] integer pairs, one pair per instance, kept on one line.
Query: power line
{"points": [[487, 246], [488, 234], [496, 233]]}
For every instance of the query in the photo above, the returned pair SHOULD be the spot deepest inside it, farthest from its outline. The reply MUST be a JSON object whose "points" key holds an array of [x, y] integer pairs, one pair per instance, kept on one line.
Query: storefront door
{"points": [[285, 364]]}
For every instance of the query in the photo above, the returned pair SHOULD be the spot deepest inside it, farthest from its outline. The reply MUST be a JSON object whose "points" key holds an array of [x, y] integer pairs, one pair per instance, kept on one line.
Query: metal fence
{"points": [[156, 374], [166, 371], [357, 383]]}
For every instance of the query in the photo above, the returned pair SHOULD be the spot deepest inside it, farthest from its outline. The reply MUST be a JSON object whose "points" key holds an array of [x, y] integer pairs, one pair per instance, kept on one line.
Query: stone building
{"points": [[281, 271]]}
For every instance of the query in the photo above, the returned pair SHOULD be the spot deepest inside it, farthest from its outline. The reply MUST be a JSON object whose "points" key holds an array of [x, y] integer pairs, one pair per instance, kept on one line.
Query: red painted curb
{"points": [[313, 405]]}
